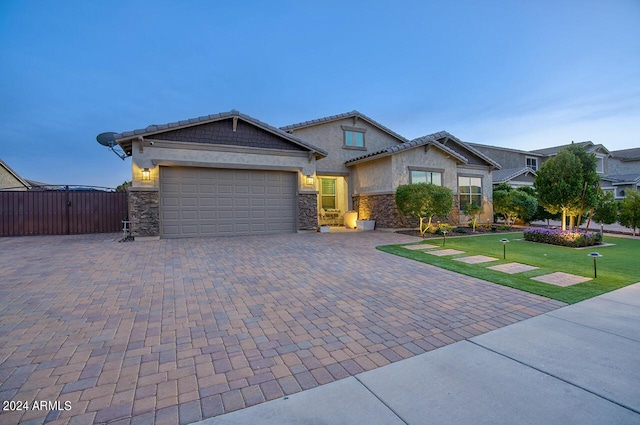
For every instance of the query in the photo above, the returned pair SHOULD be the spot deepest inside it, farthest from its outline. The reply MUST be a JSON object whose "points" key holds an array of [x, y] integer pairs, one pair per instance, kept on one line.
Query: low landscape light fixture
{"points": [[146, 175], [595, 255], [444, 237], [504, 241], [309, 180]]}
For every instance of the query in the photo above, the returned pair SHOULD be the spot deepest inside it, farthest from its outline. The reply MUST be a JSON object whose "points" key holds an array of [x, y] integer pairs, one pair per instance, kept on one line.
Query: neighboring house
{"points": [[623, 172], [619, 170], [222, 174], [518, 167], [10, 180], [230, 174]]}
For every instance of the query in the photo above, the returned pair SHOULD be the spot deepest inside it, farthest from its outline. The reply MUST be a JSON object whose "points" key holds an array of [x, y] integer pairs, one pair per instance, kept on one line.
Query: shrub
{"points": [[442, 227], [460, 230], [563, 237]]}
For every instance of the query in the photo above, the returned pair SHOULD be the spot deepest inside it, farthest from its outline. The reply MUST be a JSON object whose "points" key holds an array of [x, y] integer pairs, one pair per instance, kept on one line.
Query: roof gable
{"points": [[437, 140], [506, 175], [241, 130], [9, 170], [353, 114]]}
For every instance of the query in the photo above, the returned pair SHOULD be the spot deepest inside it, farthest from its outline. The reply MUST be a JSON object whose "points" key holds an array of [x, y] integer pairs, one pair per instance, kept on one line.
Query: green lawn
{"points": [[618, 267]]}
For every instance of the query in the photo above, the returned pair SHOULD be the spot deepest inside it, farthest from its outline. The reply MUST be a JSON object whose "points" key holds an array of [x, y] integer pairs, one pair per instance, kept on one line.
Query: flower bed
{"points": [[563, 237]]}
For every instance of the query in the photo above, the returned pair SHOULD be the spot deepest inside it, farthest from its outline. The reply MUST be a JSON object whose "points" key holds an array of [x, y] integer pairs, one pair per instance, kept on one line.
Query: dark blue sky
{"points": [[525, 74]]}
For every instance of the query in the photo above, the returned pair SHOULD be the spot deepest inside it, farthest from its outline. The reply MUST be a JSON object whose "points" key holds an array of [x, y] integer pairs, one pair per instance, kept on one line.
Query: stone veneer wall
{"points": [[307, 211], [144, 212], [383, 209]]}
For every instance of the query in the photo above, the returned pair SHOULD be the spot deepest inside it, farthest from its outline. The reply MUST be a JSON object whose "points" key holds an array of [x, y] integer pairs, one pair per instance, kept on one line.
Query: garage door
{"points": [[219, 202]]}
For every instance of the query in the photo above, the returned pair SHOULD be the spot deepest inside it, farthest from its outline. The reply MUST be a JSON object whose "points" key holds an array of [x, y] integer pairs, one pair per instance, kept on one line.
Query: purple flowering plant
{"points": [[563, 237]]}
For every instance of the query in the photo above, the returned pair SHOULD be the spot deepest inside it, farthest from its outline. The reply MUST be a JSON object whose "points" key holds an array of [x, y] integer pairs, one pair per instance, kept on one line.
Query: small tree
{"points": [[424, 201], [541, 213], [124, 186], [560, 184], [606, 209], [523, 205], [630, 211], [472, 210], [501, 200]]}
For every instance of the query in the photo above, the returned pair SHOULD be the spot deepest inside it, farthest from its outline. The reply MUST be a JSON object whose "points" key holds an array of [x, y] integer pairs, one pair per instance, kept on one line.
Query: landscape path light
{"points": [[444, 237], [595, 255], [504, 247]]}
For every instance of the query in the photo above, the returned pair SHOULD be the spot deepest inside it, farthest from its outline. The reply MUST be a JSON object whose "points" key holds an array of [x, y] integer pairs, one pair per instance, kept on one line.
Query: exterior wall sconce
{"points": [[146, 175], [309, 180]]}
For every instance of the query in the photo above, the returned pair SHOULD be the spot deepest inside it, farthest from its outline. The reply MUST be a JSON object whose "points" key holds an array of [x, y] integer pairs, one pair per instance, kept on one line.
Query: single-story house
{"points": [[231, 174]]}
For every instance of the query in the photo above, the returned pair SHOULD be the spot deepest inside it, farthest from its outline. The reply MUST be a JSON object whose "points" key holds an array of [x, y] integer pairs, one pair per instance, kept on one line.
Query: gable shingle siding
{"points": [[221, 133]]}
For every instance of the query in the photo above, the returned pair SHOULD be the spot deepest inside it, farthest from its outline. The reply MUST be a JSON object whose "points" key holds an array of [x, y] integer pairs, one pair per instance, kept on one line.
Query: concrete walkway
{"points": [[576, 365]]}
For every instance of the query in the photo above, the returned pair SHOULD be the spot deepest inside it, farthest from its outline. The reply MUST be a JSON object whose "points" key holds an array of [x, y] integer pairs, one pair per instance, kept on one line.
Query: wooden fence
{"points": [[61, 212]]}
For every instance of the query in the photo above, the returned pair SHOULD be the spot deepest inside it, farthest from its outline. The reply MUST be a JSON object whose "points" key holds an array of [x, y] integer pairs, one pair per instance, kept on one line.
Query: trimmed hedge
{"points": [[563, 238]]}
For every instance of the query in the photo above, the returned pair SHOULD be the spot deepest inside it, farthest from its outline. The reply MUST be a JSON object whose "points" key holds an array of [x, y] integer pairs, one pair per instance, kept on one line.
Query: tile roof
{"points": [[351, 114], [161, 128], [632, 154], [473, 150], [502, 176]]}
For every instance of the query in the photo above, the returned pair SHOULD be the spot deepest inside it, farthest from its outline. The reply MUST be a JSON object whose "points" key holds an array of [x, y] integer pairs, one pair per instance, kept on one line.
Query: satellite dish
{"points": [[106, 139]]}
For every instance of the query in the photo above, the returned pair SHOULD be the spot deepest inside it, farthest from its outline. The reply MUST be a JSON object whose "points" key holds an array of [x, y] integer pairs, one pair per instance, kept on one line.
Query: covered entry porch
{"points": [[333, 199]]}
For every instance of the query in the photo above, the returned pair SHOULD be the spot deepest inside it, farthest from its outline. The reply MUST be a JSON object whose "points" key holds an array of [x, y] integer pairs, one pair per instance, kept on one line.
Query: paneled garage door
{"points": [[221, 202]]}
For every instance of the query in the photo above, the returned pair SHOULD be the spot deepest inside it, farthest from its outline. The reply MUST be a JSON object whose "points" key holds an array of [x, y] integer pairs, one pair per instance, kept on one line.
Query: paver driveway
{"points": [[179, 330]]}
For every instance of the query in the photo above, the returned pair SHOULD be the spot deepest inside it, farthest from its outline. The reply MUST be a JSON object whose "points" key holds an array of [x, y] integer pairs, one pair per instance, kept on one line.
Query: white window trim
{"points": [[527, 158]]}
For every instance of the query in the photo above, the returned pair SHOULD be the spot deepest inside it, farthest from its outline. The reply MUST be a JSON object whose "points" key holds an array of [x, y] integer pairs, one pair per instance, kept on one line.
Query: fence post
{"points": [[67, 209]]}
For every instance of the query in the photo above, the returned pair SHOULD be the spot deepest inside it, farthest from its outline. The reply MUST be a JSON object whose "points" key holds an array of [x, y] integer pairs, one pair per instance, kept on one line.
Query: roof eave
{"points": [[129, 136]]}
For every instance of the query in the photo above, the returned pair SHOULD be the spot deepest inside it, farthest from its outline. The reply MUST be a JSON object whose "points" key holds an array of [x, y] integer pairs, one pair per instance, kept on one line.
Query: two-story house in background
{"points": [[619, 170]]}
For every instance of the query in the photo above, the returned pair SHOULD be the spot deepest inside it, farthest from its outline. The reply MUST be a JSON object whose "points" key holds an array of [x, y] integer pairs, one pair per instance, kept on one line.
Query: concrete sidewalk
{"points": [[576, 365]]}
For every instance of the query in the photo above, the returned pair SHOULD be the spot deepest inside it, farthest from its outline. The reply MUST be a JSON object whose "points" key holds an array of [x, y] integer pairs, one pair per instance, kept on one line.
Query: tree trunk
{"points": [[564, 219]]}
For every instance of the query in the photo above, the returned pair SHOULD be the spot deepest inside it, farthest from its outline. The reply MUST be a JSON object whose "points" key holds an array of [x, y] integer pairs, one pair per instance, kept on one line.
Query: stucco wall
{"points": [[8, 181], [330, 137], [430, 158], [487, 191], [373, 177], [201, 155]]}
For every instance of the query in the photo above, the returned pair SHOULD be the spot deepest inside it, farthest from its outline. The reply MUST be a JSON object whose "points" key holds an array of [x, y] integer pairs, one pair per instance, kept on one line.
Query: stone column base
{"points": [[144, 213], [307, 211]]}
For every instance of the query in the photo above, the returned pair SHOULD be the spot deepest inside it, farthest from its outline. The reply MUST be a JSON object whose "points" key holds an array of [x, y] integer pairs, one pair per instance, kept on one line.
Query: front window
{"points": [[328, 193], [600, 165], [353, 139], [469, 190], [532, 163], [426, 177]]}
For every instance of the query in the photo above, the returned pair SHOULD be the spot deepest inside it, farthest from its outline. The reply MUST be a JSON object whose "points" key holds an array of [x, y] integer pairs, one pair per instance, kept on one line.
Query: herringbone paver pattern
{"points": [[179, 330]]}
